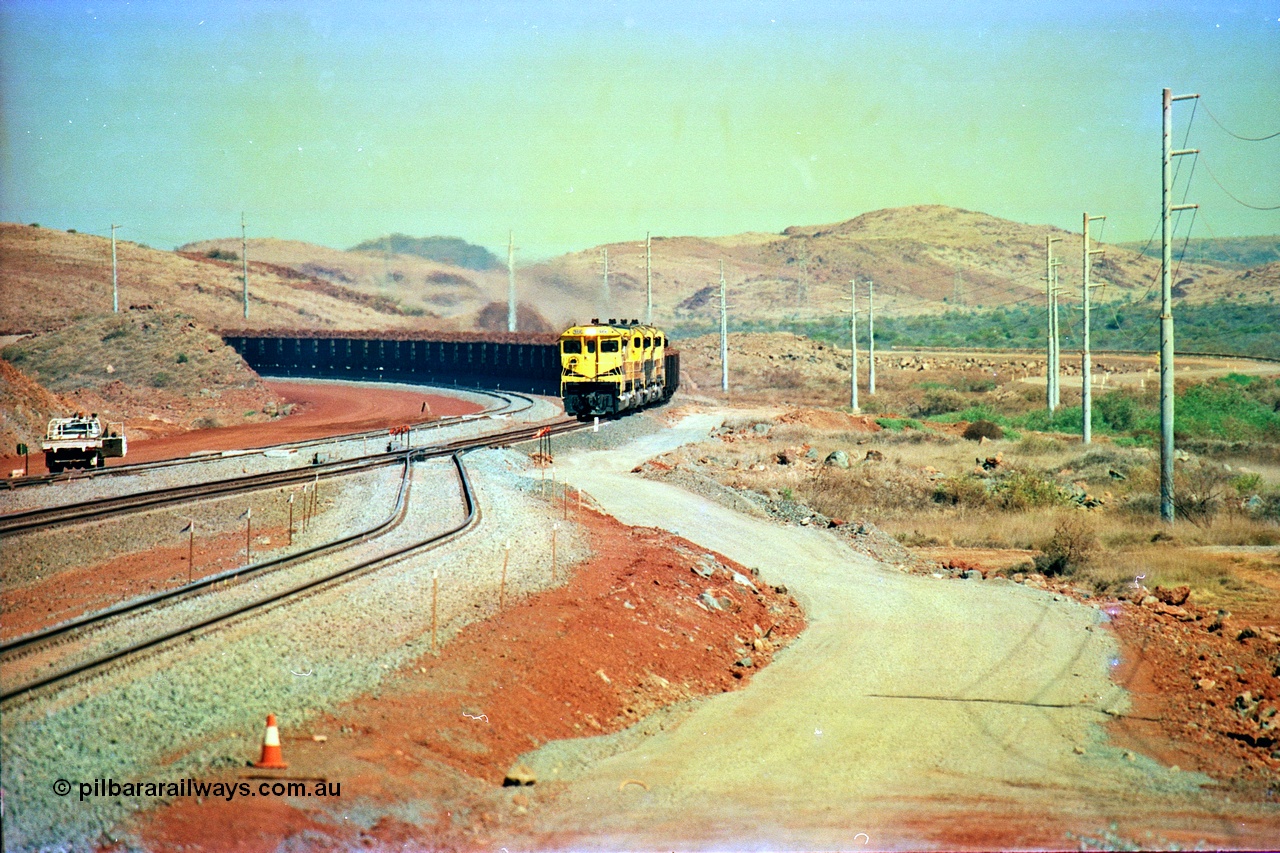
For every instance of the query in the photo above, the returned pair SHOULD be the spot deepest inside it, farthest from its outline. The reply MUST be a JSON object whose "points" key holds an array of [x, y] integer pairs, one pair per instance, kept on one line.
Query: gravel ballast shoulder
{"points": [[197, 706]]}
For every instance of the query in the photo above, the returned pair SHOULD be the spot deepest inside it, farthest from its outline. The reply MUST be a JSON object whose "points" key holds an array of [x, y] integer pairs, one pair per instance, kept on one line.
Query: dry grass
{"points": [[900, 492]]}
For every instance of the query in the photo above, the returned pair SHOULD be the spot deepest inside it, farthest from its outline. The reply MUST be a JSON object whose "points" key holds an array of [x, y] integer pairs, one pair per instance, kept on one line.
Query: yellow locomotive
{"points": [[608, 368]]}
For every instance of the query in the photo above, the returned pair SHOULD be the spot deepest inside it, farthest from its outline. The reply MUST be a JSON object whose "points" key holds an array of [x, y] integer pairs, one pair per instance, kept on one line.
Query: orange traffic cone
{"points": [[272, 758]]}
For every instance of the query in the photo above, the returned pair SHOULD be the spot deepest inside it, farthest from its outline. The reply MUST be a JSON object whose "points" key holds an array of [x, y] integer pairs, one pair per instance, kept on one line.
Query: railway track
{"points": [[66, 667], [508, 404], [45, 517]]}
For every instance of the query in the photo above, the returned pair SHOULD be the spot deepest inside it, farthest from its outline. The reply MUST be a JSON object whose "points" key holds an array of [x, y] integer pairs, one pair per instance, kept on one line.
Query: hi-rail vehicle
{"points": [[81, 442]]}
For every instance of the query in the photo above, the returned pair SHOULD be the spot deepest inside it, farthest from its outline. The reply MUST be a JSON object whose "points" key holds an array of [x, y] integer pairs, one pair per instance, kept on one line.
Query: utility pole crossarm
{"points": [[871, 337], [648, 280], [724, 336], [511, 281], [244, 265], [1086, 363], [115, 282], [1166, 297]]}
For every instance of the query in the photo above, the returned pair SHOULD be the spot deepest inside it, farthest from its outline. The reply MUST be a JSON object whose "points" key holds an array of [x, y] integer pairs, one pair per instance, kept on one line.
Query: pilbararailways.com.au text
{"points": [[192, 788]]}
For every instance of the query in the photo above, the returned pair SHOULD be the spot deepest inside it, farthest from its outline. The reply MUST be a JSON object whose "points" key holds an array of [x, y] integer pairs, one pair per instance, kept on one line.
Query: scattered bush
{"points": [[897, 424], [1117, 411], [161, 380], [1021, 490], [940, 401], [121, 332], [979, 430], [1070, 548], [1199, 492], [222, 255], [1246, 484], [961, 491], [182, 358]]}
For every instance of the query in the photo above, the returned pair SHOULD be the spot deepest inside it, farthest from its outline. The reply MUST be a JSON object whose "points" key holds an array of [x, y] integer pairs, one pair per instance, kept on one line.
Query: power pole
{"points": [[1166, 299], [1057, 340], [115, 284], [802, 289], [956, 298], [853, 345], [724, 337], [648, 280], [244, 265], [1051, 304], [605, 253], [511, 281], [1086, 363], [871, 337]]}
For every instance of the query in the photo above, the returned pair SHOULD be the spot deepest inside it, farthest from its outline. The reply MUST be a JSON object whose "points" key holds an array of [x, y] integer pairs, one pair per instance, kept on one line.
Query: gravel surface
{"points": [[909, 702], [186, 710], [86, 486]]}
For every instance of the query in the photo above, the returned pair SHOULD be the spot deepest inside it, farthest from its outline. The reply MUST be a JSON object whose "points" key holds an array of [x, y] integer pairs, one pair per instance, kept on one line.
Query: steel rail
{"points": [[472, 515], [151, 642], [140, 467], [43, 517], [98, 616], [19, 522]]}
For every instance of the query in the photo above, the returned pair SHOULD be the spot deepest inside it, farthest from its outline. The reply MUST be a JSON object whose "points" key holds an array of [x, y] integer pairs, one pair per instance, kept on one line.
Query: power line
{"points": [[1229, 132], [1232, 195]]}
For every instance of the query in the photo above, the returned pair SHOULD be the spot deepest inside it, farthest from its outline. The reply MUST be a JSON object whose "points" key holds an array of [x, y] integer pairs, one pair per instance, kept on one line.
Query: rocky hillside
{"points": [[25, 409], [923, 259], [417, 285], [49, 278], [157, 371]]}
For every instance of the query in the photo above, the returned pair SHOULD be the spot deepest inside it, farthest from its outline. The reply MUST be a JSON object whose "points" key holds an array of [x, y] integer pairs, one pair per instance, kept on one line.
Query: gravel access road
{"points": [[914, 712]]}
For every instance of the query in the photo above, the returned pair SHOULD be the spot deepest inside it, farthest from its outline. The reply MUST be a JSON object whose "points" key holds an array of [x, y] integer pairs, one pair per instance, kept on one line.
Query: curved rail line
{"points": [[42, 517], [62, 633], [508, 407], [98, 617]]}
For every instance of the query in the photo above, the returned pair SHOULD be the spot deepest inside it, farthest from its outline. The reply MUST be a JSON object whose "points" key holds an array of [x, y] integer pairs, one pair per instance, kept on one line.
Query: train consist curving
{"points": [[609, 368]]}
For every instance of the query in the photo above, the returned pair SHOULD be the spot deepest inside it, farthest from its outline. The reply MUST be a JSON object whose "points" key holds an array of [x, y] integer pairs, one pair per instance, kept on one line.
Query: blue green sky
{"points": [[581, 123]]}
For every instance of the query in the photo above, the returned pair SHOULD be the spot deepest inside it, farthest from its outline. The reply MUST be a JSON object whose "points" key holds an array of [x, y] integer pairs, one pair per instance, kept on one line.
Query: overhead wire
{"points": [[1230, 132], [1233, 196]]}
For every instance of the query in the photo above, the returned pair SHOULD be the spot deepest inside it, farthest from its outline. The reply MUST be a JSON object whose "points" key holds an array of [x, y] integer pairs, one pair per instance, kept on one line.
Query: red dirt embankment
{"points": [[319, 410], [623, 638]]}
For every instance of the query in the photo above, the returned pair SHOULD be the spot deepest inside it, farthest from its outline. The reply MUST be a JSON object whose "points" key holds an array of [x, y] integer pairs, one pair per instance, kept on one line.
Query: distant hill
{"points": [[419, 286], [447, 250], [49, 278], [1237, 252], [923, 259]]}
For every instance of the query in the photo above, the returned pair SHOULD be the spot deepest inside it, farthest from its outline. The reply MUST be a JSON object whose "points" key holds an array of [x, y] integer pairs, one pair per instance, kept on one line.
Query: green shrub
{"points": [[899, 424], [182, 358], [1021, 490], [961, 491], [161, 380], [940, 401], [1246, 484], [1116, 411]]}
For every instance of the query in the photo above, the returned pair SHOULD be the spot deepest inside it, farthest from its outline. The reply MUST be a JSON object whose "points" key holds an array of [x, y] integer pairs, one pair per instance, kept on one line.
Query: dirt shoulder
{"points": [[424, 759], [919, 711]]}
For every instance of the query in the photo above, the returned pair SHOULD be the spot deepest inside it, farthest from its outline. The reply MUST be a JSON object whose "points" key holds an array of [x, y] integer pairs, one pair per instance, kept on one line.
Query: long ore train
{"points": [[608, 368], [599, 369]]}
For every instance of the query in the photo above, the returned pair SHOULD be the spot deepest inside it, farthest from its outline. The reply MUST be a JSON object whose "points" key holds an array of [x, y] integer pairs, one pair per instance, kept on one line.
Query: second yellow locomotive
{"points": [[608, 368]]}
